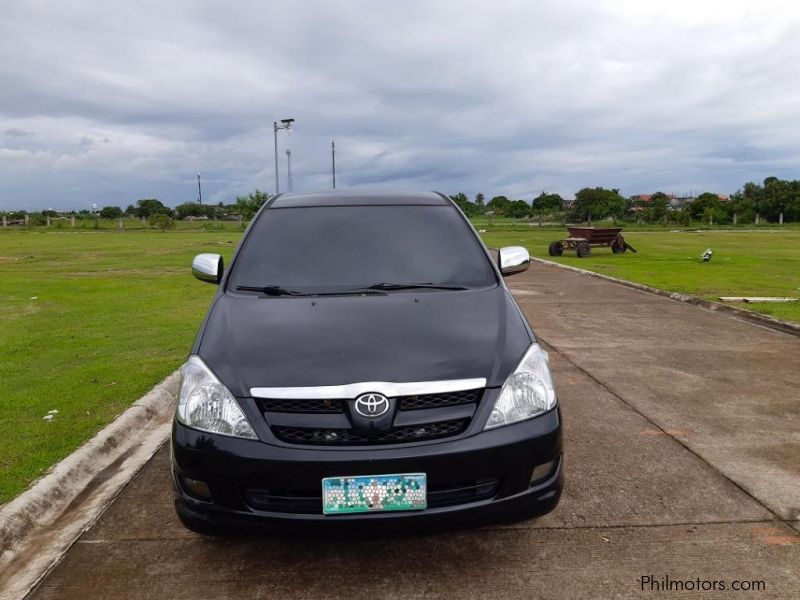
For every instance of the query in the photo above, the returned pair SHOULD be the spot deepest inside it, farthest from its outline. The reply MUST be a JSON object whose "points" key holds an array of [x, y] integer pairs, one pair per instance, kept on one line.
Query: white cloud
{"points": [[115, 100]]}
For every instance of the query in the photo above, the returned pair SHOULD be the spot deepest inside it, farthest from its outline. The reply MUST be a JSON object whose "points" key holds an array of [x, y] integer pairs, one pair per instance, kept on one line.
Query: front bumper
{"points": [[483, 475]]}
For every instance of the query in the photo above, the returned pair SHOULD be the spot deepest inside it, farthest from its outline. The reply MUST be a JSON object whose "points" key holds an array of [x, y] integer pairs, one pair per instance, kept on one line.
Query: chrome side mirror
{"points": [[208, 267], [513, 259]]}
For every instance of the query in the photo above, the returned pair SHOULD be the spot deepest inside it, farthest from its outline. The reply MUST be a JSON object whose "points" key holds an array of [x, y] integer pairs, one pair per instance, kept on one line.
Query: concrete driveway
{"points": [[682, 461]]}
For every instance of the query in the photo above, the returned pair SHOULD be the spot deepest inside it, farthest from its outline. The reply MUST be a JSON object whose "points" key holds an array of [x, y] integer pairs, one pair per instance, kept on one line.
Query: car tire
{"points": [[556, 249]]}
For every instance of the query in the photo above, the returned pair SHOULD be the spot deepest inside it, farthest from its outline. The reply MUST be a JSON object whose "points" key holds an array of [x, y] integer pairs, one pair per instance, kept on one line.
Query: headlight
{"points": [[527, 392], [204, 403]]}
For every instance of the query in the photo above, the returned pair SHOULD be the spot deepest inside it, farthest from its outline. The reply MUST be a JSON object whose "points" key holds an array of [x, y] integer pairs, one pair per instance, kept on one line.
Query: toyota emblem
{"points": [[372, 405]]}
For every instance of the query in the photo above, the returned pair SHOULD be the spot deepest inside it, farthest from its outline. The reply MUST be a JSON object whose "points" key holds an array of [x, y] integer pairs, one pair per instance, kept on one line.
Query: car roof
{"points": [[358, 198]]}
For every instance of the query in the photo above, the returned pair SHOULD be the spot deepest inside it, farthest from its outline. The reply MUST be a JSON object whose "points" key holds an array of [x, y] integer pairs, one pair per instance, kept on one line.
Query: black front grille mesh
{"points": [[396, 435], [438, 400], [301, 405]]}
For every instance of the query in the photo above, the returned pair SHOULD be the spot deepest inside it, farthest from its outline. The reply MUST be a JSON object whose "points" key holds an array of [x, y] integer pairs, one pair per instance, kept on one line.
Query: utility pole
{"points": [[275, 132], [287, 125], [289, 166], [333, 162], [199, 190]]}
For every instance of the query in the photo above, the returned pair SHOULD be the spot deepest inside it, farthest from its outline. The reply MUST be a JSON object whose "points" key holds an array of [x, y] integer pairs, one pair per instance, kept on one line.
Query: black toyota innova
{"points": [[364, 361]]}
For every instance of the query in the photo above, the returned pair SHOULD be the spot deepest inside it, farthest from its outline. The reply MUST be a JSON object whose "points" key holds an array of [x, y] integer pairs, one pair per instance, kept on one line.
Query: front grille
{"points": [[310, 502], [463, 492], [396, 435], [438, 400], [301, 406], [284, 501], [417, 402]]}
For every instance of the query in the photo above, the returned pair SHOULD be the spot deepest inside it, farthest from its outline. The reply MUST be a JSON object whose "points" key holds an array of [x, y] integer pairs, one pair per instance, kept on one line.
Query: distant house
{"points": [[681, 201], [647, 198], [640, 201]]}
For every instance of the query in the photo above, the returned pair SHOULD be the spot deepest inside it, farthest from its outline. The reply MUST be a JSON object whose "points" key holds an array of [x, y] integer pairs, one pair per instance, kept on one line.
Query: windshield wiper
{"points": [[413, 286], [269, 290]]}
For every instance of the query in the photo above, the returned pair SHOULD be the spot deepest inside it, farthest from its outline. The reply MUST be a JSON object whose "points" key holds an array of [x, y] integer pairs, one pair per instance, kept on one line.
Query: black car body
{"points": [[339, 303]]}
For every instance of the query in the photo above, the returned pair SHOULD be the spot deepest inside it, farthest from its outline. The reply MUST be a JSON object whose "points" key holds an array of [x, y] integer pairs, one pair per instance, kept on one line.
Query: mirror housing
{"points": [[513, 259], [208, 267]]}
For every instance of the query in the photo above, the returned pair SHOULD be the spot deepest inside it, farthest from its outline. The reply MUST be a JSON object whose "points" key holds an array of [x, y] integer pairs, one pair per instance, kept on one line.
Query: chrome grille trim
{"points": [[351, 390]]}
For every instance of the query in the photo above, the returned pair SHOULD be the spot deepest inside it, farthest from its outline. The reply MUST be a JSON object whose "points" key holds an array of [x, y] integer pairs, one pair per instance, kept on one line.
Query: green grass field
{"points": [[92, 319], [90, 322], [745, 263]]}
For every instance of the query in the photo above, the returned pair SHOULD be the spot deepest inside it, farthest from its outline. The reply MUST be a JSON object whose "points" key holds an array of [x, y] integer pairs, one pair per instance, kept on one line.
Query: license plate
{"points": [[374, 493]]}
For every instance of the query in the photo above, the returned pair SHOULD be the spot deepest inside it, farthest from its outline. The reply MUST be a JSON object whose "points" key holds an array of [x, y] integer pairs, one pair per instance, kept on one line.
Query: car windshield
{"points": [[330, 248]]}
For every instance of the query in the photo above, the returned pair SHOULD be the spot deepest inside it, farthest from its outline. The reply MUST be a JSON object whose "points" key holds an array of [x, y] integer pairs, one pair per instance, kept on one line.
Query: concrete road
{"points": [[683, 461]]}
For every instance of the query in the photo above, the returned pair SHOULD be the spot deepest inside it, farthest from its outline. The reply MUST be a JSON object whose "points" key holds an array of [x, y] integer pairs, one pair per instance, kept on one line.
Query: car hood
{"points": [[251, 341]]}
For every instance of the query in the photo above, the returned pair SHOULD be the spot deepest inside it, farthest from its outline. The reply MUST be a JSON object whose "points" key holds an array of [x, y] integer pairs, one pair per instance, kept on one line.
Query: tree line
{"points": [[153, 209], [775, 200]]}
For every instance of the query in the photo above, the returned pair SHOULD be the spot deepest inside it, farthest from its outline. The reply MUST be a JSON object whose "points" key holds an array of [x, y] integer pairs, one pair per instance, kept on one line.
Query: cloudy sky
{"points": [[106, 102]]}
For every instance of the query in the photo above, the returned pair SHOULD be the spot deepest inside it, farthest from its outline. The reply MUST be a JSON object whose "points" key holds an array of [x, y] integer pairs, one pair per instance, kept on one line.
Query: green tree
{"points": [[793, 207], [248, 205], [597, 203], [480, 201], [659, 204], [193, 209], [777, 195], [188, 209], [545, 203], [161, 221], [617, 206], [462, 201], [147, 207], [519, 209], [500, 205], [741, 207], [110, 212], [708, 208]]}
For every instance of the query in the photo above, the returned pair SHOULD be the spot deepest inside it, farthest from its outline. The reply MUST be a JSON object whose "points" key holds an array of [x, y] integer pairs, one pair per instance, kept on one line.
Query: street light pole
{"points": [[290, 185], [333, 162], [275, 132], [285, 124]]}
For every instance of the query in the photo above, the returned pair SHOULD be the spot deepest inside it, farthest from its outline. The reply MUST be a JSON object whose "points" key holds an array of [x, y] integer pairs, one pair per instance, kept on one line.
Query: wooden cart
{"points": [[581, 239]]}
